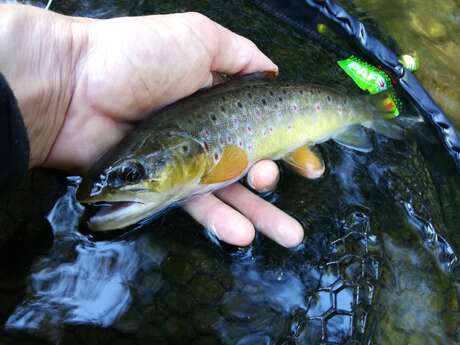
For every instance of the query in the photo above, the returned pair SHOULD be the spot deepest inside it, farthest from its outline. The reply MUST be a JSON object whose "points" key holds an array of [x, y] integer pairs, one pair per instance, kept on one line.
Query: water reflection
{"points": [[428, 30], [81, 281]]}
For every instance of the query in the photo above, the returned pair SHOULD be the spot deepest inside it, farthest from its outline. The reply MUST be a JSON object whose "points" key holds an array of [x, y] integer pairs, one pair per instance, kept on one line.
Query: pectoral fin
{"points": [[232, 164], [354, 137], [306, 162]]}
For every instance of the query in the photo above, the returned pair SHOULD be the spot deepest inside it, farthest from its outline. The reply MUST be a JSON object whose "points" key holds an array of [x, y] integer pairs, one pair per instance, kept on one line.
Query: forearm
{"points": [[37, 58]]}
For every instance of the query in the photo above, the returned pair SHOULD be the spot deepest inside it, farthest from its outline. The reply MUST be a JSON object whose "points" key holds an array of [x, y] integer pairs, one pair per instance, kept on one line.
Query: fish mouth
{"points": [[116, 215]]}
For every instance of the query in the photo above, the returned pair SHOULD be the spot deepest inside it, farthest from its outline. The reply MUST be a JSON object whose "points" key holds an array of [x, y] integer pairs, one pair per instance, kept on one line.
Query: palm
{"points": [[131, 67]]}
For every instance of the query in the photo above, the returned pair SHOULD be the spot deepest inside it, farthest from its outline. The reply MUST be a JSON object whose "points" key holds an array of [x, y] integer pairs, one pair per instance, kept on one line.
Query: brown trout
{"points": [[211, 138]]}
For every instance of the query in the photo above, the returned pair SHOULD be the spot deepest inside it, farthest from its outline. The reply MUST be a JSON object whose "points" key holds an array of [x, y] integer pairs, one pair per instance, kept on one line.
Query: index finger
{"points": [[229, 52]]}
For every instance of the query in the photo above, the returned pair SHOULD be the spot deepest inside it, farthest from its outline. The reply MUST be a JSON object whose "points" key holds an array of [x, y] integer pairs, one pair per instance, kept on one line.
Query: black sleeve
{"points": [[14, 143]]}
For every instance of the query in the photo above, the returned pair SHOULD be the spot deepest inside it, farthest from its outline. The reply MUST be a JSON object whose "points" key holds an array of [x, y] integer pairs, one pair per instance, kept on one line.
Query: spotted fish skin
{"points": [[267, 119], [210, 139]]}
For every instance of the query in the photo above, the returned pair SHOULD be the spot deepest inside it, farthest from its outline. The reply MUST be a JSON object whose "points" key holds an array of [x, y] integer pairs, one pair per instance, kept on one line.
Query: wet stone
{"points": [[206, 340], [177, 270], [89, 334], [451, 321], [129, 321], [179, 302], [225, 278], [204, 320], [125, 341], [204, 260], [206, 290], [179, 330], [156, 313], [151, 335]]}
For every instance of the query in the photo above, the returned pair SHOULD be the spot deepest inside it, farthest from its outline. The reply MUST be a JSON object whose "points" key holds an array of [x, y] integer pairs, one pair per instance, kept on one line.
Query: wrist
{"points": [[40, 51]]}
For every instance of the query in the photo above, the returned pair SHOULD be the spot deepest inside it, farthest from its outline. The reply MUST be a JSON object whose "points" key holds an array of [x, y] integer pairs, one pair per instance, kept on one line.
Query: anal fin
{"points": [[306, 162]]}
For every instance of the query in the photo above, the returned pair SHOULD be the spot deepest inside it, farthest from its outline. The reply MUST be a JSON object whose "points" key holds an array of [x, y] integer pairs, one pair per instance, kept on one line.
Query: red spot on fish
{"points": [[317, 107], [206, 146]]}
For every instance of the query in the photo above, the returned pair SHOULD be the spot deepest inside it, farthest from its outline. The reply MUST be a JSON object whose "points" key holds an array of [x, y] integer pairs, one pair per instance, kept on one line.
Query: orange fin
{"points": [[306, 162], [233, 163]]}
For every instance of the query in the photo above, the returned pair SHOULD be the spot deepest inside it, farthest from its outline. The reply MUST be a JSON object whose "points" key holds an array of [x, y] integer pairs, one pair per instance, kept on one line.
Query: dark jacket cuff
{"points": [[14, 142]]}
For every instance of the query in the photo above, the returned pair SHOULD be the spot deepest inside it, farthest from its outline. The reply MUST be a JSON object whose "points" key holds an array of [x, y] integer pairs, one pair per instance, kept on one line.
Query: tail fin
{"points": [[388, 107]]}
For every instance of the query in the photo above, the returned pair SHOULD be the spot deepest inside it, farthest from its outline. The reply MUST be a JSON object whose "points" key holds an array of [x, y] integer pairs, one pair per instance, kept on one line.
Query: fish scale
{"points": [[211, 138], [294, 112]]}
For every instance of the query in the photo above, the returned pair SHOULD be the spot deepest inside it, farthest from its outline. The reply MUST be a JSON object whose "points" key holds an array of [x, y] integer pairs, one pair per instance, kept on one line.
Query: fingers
{"points": [[226, 223], [237, 228], [263, 176], [230, 53], [267, 218]]}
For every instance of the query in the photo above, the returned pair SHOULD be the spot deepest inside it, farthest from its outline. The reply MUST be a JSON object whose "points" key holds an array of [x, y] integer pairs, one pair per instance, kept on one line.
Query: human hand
{"points": [[82, 83]]}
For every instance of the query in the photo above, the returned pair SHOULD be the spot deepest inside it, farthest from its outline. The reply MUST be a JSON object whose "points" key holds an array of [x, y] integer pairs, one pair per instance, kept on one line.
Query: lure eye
{"points": [[132, 173]]}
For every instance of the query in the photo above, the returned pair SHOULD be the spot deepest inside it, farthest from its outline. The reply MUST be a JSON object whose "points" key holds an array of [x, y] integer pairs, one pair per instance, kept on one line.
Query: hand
{"points": [[82, 83]]}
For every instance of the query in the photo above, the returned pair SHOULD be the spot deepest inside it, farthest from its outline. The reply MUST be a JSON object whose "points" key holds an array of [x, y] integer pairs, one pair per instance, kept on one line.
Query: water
{"points": [[378, 265], [429, 31]]}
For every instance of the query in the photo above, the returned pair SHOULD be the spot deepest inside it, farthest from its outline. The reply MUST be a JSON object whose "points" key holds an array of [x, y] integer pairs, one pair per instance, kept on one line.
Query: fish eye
{"points": [[132, 173], [185, 148]]}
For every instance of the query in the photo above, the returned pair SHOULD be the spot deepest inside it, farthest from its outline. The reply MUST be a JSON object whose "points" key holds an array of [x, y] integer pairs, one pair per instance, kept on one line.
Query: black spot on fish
{"points": [[264, 102], [222, 109], [185, 148], [250, 95], [271, 93], [240, 104], [213, 118], [206, 146], [280, 99], [216, 156], [329, 99]]}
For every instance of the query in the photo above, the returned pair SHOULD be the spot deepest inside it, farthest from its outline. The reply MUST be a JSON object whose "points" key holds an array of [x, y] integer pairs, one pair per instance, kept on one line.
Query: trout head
{"points": [[133, 181]]}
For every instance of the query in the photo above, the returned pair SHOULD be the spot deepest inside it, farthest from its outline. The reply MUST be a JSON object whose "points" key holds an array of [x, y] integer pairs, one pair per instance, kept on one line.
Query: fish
{"points": [[210, 139]]}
